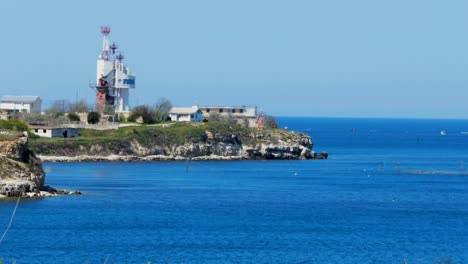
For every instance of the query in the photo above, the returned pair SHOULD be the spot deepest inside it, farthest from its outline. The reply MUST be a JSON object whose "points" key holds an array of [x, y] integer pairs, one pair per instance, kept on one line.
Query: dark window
{"points": [[233, 110], [36, 130], [208, 110], [241, 111], [129, 81], [220, 110], [191, 116], [43, 130]]}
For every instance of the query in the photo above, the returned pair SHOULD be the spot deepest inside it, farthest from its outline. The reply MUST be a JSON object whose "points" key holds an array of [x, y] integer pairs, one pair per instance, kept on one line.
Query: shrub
{"points": [[108, 110], [245, 122], [14, 124], [145, 112], [270, 122], [215, 117], [93, 117], [73, 117], [132, 118]]}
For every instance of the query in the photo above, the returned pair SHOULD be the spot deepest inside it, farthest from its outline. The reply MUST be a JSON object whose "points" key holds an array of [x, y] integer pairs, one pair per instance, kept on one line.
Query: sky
{"points": [[333, 58]]}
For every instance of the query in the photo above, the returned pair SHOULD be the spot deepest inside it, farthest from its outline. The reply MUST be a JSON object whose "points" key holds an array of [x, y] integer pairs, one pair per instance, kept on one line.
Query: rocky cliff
{"points": [[200, 142], [20, 170]]}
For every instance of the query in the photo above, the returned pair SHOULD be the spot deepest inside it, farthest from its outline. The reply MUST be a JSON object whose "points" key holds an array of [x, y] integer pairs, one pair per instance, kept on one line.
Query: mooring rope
{"points": [[11, 220]]}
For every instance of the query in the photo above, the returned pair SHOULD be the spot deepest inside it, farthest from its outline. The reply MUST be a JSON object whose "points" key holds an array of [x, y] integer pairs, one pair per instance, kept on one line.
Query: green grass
{"points": [[147, 135]]}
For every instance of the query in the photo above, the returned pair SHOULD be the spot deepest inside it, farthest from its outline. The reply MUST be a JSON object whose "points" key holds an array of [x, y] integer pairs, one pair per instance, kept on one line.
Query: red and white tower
{"points": [[105, 31], [113, 78]]}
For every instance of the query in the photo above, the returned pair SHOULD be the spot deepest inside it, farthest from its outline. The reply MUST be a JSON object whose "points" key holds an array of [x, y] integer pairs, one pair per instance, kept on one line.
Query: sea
{"points": [[392, 191]]}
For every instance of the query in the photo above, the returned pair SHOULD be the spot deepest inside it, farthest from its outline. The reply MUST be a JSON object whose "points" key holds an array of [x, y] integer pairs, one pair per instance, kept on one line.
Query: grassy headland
{"points": [[172, 141], [167, 134]]}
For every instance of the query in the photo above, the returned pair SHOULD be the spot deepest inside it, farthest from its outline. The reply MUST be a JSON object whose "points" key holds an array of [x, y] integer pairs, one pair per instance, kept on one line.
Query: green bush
{"points": [[14, 124], [145, 112], [132, 118], [73, 117], [93, 117]]}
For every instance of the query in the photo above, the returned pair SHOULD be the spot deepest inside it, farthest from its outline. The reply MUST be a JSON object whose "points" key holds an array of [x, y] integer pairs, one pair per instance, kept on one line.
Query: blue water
{"points": [[391, 190]]}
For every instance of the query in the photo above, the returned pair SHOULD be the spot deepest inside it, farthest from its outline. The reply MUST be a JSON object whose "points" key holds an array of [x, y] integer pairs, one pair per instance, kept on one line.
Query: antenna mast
{"points": [[105, 31]]}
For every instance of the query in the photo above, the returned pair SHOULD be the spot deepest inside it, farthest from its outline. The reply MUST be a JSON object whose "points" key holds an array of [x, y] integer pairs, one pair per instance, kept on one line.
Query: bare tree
{"points": [[161, 109], [270, 122], [79, 107], [58, 107], [108, 110]]}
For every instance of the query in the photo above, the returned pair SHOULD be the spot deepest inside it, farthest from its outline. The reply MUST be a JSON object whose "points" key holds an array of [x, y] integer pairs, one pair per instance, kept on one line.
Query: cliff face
{"points": [[203, 144], [20, 170], [212, 146]]}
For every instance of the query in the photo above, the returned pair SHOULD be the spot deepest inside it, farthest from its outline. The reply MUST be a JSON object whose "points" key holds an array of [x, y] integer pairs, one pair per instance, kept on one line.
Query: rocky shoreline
{"points": [[21, 173], [134, 158], [152, 145], [18, 189]]}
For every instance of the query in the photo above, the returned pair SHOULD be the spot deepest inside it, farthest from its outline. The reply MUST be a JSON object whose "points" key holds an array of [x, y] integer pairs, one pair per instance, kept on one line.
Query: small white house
{"points": [[14, 104], [54, 132], [187, 114]]}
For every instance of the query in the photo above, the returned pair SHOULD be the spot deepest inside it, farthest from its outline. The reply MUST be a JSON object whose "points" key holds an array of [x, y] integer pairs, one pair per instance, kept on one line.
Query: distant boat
{"points": [[443, 133]]}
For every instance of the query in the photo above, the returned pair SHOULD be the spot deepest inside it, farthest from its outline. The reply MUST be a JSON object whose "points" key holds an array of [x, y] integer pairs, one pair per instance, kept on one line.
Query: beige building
{"points": [[244, 115]]}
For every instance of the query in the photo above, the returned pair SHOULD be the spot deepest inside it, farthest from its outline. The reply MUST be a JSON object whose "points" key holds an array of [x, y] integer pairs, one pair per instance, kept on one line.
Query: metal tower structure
{"points": [[105, 31], [113, 78]]}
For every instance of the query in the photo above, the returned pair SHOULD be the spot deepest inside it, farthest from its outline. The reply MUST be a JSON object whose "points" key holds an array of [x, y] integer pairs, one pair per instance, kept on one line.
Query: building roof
{"points": [[19, 99], [226, 107], [184, 110]]}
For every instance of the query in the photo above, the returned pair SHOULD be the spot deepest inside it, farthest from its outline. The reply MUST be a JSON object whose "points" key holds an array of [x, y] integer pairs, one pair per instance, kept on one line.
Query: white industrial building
{"points": [[186, 114], [14, 104], [113, 78]]}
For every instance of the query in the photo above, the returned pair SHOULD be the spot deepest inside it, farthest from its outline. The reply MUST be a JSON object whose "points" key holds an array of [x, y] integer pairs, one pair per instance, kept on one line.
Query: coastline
{"points": [[45, 192], [155, 158], [180, 142]]}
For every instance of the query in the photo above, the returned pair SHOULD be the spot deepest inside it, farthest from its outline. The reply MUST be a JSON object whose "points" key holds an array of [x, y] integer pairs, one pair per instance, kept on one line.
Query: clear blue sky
{"points": [[360, 58]]}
